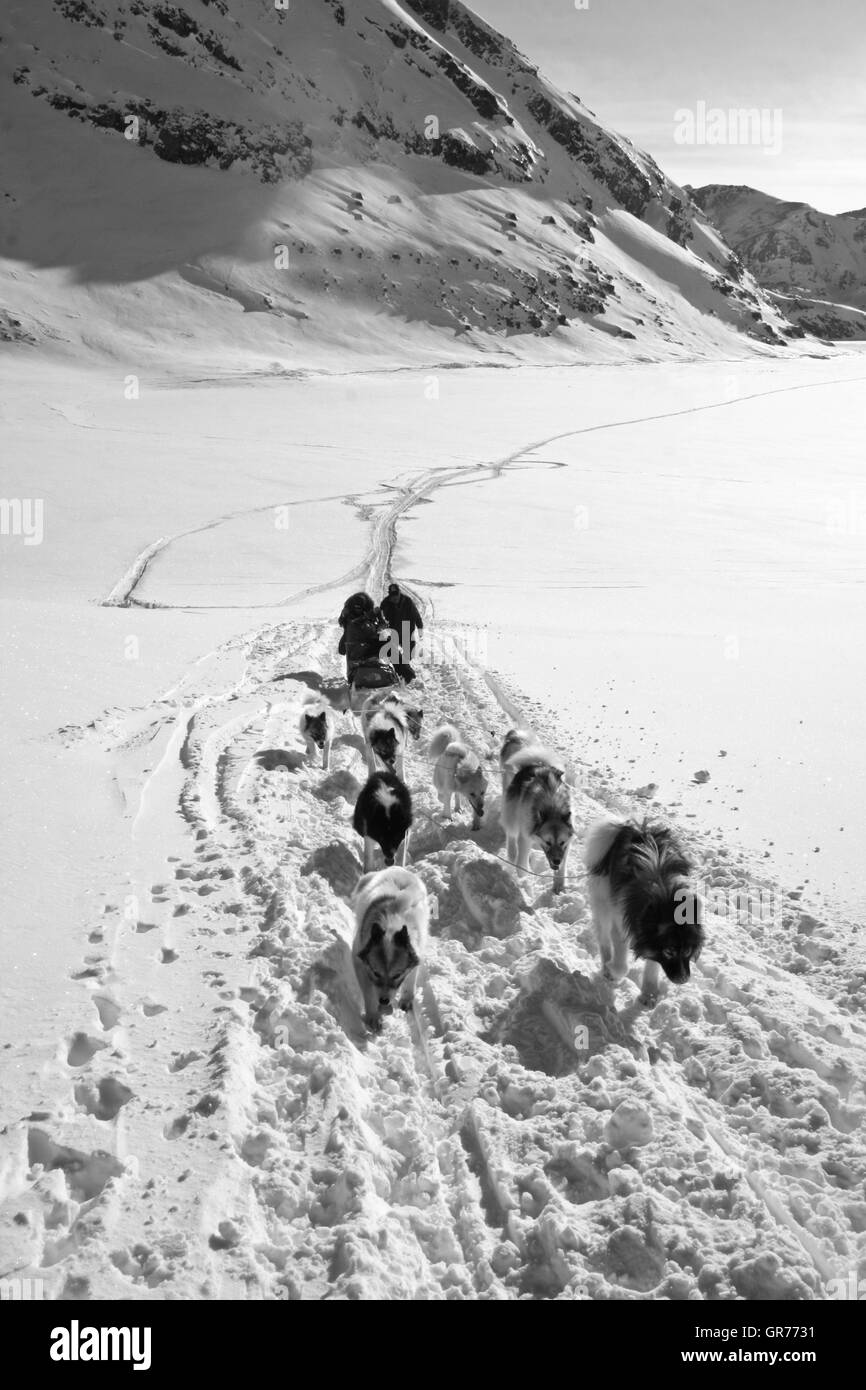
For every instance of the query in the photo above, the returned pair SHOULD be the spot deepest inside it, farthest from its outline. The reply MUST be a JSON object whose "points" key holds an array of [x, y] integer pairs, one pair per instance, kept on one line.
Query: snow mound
{"points": [[491, 896], [629, 1127]]}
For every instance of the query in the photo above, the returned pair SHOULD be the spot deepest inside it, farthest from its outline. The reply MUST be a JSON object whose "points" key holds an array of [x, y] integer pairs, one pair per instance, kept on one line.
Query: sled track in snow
{"points": [[272, 1148], [375, 567]]}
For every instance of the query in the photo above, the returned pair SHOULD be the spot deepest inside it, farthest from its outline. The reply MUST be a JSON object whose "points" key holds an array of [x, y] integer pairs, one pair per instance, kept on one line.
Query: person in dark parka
{"points": [[364, 632], [404, 620]]}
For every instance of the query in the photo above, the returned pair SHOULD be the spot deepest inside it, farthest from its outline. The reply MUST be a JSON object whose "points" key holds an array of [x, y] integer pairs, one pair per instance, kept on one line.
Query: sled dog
{"points": [[316, 728], [519, 747], [383, 815], [385, 731], [641, 898], [333, 691], [392, 914], [536, 806], [457, 772], [413, 714]]}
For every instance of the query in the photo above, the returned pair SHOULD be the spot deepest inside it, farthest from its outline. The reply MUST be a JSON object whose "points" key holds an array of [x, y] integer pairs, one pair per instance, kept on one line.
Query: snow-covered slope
{"points": [[815, 260], [283, 187]]}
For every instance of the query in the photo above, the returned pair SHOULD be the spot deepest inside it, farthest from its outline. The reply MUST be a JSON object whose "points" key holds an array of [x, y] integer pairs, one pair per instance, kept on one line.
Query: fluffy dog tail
{"points": [[398, 886], [600, 840], [311, 703], [532, 754], [440, 739], [514, 739]]}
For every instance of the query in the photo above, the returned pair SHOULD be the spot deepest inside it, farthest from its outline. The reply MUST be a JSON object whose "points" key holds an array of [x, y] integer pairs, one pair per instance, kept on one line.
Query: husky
{"points": [[392, 915], [383, 815], [640, 897], [413, 714], [536, 806], [333, 691], [337, 694], [519, 747], [457, 772], [316, 728], [385, 730]]}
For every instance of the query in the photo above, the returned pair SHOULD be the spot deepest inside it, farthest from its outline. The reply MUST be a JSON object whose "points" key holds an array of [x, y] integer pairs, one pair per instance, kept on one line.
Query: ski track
{"points": [[221, 1125]]}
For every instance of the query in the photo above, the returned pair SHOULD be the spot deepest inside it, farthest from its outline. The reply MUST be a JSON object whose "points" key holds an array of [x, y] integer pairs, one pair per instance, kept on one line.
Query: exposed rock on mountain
{"points": [[391, 177], [814, 261]]}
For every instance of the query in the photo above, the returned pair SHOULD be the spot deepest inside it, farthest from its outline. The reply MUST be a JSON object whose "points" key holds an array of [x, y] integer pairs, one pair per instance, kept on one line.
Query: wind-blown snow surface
{"points": [[192, 1106]]}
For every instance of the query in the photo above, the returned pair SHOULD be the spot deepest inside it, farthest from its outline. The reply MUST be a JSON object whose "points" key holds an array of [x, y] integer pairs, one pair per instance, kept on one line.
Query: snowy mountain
{"points": [[281, 187], [815, 261]]}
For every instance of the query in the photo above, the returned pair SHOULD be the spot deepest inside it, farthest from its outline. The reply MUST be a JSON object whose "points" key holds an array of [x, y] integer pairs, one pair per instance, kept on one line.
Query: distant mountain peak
{"points": [[815, 262]]}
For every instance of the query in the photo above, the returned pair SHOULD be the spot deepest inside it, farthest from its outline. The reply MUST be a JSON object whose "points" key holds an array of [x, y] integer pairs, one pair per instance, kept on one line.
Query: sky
{"points": [[641, 65]]}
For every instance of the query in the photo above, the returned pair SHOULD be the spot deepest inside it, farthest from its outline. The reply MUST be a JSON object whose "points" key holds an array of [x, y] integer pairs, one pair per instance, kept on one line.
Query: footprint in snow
{"points": [[106, 1100], [82, 1049], [89, 972], [177, 1127], [107, 1010], [86, 1173], [183, 1060]]}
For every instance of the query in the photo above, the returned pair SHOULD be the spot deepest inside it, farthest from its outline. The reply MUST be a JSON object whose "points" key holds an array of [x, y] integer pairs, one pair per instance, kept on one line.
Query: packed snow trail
{"points": [[222, 1125], [375, 566]]}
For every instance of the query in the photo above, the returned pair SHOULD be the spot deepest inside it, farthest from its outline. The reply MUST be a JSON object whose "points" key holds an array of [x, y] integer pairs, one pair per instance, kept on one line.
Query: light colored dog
{"points": [[457, 772], [385, 730], [383, 699], [520, 747], [392, 916], [316, 728], [537, 807]]}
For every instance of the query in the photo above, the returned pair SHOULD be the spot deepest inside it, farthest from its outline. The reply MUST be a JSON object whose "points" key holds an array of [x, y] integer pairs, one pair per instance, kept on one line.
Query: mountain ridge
{"points": [[814, 262], [485, 210]]}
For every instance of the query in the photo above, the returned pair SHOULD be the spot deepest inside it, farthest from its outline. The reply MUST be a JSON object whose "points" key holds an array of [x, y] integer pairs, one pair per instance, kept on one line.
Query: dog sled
{"points": [[369, 677]]}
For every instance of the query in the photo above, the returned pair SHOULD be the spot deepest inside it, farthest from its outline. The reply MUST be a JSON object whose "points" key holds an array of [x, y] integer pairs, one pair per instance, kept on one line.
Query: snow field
{"points": [[526, 1132]]}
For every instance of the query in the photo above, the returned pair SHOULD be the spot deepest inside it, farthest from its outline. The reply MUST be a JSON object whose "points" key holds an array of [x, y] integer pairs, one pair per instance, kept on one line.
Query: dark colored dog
{"points": [[641, 898], [383, 815]]}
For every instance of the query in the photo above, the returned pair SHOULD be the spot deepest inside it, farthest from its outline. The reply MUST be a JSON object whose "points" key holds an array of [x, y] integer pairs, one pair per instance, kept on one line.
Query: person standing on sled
{"points": [[364, 633], [404, 620]]}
